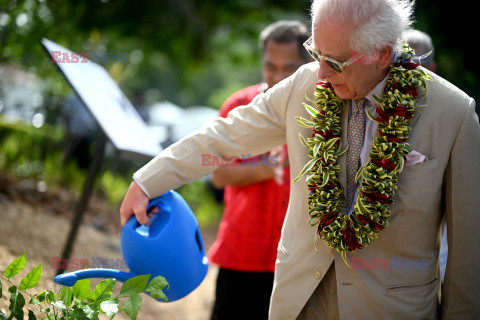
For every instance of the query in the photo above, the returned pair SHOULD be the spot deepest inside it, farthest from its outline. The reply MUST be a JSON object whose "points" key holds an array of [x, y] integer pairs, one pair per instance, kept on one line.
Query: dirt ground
{"points": [[40, 230]]}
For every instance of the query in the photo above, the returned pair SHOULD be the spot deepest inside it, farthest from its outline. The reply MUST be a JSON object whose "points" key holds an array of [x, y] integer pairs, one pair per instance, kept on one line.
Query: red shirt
{"points": [[253, 216]]}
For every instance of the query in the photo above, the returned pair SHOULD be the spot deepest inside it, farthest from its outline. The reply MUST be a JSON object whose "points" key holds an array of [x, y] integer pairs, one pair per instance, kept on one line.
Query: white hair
{"points": [[378, 22]]}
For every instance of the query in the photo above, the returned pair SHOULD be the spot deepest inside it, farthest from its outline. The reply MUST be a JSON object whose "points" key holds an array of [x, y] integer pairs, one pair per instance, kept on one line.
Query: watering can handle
{"points": [[159, 202]]}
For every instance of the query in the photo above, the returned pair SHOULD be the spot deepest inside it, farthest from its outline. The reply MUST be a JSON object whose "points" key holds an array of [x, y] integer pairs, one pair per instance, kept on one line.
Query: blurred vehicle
{"points": [[170, 123], [20, 96]]}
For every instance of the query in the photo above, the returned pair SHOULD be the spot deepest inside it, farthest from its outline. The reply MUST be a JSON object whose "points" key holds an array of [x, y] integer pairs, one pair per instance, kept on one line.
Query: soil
{"points": [[37, 222]]}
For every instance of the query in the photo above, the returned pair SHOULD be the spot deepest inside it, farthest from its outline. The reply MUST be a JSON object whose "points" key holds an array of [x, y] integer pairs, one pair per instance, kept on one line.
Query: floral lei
{"points": [[380, 174]]}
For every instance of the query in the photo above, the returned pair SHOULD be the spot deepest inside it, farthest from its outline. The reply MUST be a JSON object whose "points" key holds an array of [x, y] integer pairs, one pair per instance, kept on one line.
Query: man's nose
{"points": [[325, 71]]}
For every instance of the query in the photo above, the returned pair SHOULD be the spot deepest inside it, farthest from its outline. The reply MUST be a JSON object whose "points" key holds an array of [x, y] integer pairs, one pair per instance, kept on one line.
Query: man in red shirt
{"points": [[256, 192]]}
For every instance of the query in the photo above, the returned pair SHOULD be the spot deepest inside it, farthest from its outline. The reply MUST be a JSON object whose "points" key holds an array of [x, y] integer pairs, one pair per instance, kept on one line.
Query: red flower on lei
{"points": [[324, 84], [350, 238], [327, 220], [386, 164], [367, 221], [384, 116]]}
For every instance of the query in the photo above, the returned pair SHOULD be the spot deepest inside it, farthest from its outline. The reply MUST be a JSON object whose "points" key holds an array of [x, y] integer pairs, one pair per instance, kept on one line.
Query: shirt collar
{"points": [[378, 90]]}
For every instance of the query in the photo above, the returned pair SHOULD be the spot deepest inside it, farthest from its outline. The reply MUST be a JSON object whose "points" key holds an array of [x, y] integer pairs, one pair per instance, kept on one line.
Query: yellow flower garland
{"points": [[380, 174]]}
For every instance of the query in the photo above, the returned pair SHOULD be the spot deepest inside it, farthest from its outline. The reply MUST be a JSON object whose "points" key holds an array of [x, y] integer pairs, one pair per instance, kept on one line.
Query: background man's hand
{"points": [[280, 154]]}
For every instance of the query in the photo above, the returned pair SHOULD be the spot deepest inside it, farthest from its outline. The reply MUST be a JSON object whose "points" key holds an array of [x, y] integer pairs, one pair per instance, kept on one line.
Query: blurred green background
{"points": [[188, 52]]}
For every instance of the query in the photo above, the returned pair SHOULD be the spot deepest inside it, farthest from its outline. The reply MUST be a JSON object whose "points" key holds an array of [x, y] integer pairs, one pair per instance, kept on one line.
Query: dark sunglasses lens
{"points": [[334, 66]]}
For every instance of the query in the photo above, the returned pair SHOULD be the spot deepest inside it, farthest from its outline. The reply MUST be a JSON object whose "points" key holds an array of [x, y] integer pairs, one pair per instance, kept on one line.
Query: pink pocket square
{"points": [[415, 157]]}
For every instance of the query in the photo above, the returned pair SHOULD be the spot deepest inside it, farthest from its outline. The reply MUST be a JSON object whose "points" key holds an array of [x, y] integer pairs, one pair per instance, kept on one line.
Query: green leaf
{"points": [[109, 307], [66, 295], [90, 312], [103, 290], [297, 179], [359, 172], [3, 316], [339, 153], [313, 112], [77, 313], [81, 289], [40, 297], [364, 210], [156, 286], [370, 115], [399, 167], [377, 99], [32, 278], [17, 302], [308, 98], [31, 315], [316, 148], [59, 305], [48, 295], [134, 285], [303, 140], [132, 306], [16, 266], [304, 122], [325, 177], [330, 143], [308, 166]]}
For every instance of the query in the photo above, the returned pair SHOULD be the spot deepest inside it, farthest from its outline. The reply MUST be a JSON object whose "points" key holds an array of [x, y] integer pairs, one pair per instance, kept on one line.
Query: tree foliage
{"points": [[187, 51], [191, 52]]}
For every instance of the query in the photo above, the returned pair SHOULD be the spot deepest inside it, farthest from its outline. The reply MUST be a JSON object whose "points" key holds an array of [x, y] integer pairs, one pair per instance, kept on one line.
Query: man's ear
{"points": [[385, 57]]}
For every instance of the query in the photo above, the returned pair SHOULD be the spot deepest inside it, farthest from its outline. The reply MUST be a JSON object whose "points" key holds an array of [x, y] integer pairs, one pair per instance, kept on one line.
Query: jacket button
{"points": [[317, 275]]}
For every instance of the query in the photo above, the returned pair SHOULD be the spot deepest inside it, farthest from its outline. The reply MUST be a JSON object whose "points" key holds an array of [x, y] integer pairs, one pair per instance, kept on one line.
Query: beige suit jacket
{"points": [[397, 275]]}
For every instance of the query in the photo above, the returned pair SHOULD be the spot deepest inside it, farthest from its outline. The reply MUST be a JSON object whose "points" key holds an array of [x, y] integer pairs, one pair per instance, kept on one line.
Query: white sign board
{"points": [[114, 113]]}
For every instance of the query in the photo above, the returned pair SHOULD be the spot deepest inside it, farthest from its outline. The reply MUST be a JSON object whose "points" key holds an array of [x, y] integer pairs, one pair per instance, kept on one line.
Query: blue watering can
{"points": [[171, 247]]}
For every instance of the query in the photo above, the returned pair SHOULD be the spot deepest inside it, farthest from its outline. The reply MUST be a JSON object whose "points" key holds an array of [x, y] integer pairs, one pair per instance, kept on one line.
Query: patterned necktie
{"points": [[355, 136]]}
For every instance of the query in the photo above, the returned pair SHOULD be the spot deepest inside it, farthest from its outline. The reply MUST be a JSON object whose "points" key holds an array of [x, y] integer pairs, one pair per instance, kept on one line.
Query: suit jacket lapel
{"points": [[418, 110]]}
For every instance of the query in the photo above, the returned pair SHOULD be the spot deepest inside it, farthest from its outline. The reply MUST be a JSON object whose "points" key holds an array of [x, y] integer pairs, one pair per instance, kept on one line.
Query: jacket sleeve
{"points": [[461, 287], [247, 130]]}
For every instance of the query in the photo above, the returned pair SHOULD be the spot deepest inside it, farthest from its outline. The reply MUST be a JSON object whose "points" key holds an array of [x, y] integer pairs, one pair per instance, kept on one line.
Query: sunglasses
{"points": [[332, 63]]}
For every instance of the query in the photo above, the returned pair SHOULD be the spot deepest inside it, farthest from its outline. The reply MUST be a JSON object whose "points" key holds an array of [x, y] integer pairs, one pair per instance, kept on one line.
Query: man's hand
{"points": [[242, 175], [135, 203], [280, 154]]}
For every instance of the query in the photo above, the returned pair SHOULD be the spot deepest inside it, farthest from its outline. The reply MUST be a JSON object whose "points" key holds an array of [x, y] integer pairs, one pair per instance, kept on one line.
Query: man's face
{"points": [[358, 78], [280, 60]]}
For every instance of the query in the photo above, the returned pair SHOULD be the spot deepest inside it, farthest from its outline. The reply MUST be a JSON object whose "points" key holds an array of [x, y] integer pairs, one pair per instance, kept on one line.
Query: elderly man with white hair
{"points": [[383, 149]]}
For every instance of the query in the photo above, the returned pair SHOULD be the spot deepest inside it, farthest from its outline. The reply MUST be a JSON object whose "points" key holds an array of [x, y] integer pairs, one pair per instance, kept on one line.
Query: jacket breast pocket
{"points": [[419, 170]]}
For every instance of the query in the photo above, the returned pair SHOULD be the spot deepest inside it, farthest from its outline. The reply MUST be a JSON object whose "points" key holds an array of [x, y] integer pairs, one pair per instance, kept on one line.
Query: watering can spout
{"points": [[69, 279]]}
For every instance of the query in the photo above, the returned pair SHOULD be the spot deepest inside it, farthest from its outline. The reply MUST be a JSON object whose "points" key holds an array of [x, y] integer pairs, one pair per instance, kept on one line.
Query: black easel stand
{"points": [[82, 204]]}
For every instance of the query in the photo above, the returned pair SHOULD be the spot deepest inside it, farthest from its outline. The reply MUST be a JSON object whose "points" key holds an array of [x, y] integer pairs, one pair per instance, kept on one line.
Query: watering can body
{"points": [[171, 247]]}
